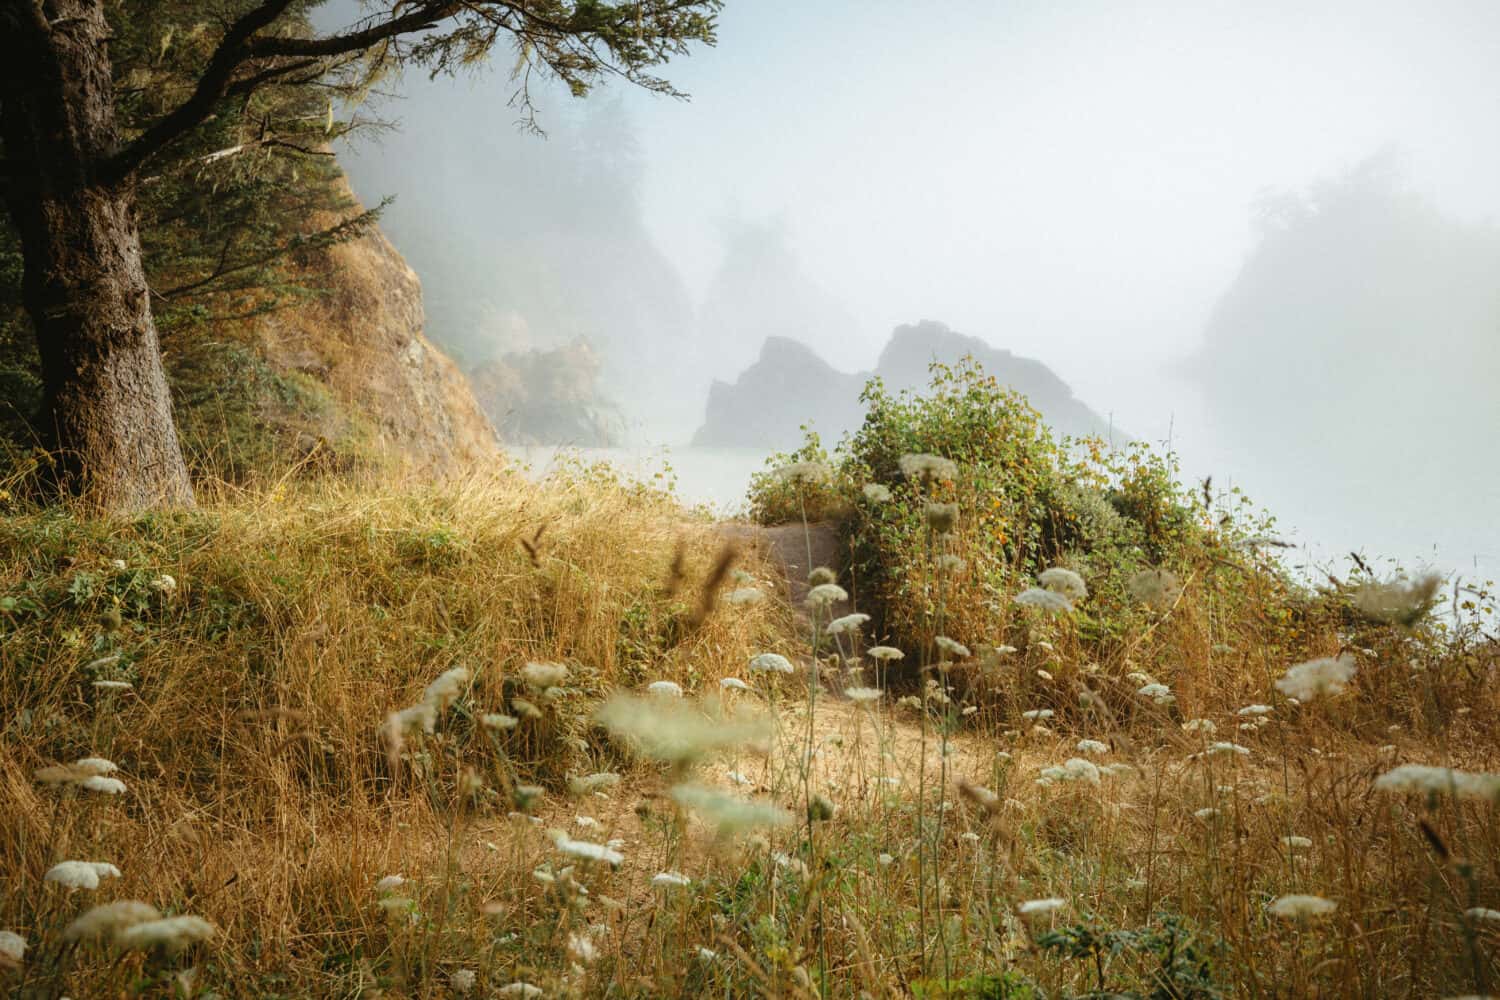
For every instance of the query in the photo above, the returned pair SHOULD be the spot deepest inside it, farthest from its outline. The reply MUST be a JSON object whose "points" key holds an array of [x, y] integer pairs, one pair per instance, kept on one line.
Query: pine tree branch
{"points": [[231, 53]]}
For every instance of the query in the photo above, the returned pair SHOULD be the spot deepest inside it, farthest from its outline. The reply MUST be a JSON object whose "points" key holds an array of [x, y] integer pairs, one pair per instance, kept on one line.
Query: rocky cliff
{"points": [[338, 376], [790, 385]]}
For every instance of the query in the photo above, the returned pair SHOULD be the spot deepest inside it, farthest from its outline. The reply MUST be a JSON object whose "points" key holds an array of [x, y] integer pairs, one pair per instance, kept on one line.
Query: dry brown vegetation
{"points": [[261, 795]]}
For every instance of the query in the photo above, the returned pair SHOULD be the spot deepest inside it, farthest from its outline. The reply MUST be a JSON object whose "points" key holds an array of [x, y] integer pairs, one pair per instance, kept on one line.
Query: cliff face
{"points": [[790, 386], [377, 388]]}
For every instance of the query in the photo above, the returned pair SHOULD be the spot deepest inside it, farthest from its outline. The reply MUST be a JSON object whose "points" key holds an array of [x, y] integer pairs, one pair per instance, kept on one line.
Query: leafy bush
{"points": [[1027, 502]]}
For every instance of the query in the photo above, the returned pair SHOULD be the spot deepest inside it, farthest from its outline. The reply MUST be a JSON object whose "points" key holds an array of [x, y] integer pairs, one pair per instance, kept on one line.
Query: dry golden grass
{"points": [[261, 796]]}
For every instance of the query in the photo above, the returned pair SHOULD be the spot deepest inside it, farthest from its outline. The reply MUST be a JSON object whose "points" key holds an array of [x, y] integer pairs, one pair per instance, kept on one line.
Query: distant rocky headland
{"points": [[790, 385]]}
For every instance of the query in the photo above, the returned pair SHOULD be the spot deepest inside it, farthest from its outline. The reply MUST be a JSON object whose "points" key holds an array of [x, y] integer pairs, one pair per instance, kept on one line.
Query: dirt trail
{"points": [[858, 754]]}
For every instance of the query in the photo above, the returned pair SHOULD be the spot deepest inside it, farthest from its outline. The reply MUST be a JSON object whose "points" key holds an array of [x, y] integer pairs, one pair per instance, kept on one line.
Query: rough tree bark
{"points": [[108, 408]]}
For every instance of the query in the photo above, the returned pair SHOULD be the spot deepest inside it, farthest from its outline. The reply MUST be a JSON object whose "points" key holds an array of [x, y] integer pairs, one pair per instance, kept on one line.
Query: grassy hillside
{"points": [[405, 742]]}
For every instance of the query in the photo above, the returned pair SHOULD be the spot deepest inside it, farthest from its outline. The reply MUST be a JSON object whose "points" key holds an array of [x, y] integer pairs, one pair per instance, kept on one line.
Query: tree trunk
{"points": [[107, 405]]}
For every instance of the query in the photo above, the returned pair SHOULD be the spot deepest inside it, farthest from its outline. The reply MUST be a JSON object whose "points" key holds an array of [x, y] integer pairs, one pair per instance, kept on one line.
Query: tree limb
{"points": [[212, 85]]}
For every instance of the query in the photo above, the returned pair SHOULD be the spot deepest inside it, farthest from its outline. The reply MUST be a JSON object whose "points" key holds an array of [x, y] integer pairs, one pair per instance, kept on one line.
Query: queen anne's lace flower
{"points": [[1044, 600], [1329, 676], [1300, 907], [1064, 582]]}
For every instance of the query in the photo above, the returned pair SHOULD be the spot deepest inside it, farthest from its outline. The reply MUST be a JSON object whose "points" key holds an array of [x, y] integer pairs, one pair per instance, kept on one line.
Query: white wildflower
{"points": [[390, 883], [540, 676], [581, 947], [1045, 600], [590, 783], [1065, 582], [1204, 726], [884, 653], [1092, 747], [520, 989], [773, 663], [952, 648], [679, 731], [169, 934], [586, 850], [668, 689], [803, 472], [733, 684], [924, 466], [443, 691], [1206, 814], [877, 492], [670, 880], [1481, 915], [525, 709], [729, 815], [1041, 907], [113, 685], [1159, 693], [863, 695], [1255, 710], [1156, 588], [1037, 713], [1295, 843], [708, 954], [825, 594], [165, 584], [12, 950], [743, 596], [1400, 601], [1300, 907], [1222, 747], [105, 786], [1440, 780], [498, 720], [1329, 675], [462, 980], [847, 623]]}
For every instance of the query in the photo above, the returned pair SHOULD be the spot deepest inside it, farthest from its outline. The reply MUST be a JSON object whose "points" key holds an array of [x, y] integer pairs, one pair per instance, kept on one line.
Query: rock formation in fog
{"points": [[790, 386], [548, 397], [1356, 354]]}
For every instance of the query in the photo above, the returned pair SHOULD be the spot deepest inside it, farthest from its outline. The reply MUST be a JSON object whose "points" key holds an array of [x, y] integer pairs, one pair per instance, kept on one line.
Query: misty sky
{"points": [[1071, 181]]}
